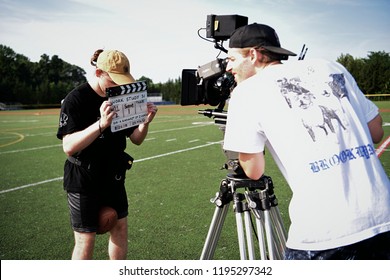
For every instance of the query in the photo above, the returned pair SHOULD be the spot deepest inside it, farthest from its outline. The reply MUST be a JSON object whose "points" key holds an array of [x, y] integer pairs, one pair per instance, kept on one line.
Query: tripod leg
{"points": [[241, 236], [279, 232], [214, 232], [249, 238], [268, 233], [261, 234], [279, 223], [239, 208]]}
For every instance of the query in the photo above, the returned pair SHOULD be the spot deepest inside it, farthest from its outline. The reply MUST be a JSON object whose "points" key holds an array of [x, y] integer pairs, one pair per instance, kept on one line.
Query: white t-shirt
{"points": [[313, 119]]}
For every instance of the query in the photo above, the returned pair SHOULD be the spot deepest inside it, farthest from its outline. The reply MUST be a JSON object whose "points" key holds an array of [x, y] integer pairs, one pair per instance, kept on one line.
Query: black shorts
{"points": [[84, 206]]}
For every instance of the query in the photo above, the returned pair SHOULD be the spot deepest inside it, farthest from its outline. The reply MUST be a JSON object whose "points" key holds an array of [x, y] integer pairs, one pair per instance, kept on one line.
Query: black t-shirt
{"points": [[80, 109]]}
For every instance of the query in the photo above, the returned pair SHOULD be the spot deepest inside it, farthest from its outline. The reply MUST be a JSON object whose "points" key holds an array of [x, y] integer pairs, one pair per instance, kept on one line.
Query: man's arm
{"points": [[376, 129], [252, 164]]}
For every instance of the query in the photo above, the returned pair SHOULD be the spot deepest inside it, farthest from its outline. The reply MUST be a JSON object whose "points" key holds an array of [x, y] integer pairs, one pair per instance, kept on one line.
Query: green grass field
{"points": [[177, 171]]}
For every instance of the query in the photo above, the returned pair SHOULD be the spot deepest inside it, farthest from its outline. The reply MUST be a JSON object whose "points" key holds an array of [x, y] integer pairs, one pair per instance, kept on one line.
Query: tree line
{"points": [[372, 74], [48, 81], [43, 82]]}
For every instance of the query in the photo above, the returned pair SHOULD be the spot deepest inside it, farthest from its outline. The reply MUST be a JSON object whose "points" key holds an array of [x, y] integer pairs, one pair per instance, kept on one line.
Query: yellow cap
{"points": [[116, 64]]}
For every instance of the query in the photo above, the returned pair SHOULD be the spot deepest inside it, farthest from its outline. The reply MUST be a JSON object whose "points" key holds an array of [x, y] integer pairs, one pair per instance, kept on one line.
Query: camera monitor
{"points": [[221, 27]]}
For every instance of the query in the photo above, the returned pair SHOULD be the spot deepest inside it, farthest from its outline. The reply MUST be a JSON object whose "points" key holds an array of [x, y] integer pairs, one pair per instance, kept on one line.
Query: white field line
{"points": [[31, 185], [147, 139], [383, 146], [139, 160], [181, 128], [179, 151], [30, 149]]}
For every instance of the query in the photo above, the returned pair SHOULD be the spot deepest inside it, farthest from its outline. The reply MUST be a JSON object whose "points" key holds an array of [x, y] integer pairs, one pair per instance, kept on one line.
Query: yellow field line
{"points": [[21, 137], [29, 128]]}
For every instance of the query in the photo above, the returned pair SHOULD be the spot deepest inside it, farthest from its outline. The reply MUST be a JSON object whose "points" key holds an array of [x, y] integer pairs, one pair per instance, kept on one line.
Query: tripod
{"points": [[257, 199]]}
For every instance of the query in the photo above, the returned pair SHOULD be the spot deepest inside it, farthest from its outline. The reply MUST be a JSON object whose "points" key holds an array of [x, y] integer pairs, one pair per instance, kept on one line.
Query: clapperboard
{"points": [[130, 104]]}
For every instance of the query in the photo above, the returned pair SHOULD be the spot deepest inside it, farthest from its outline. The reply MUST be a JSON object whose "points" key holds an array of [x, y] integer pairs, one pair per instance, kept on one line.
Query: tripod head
{"points": [[260, 191]]}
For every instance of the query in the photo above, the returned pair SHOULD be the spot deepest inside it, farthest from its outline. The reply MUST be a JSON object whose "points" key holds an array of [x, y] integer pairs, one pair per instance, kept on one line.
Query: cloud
{"points": [[160, 37]]}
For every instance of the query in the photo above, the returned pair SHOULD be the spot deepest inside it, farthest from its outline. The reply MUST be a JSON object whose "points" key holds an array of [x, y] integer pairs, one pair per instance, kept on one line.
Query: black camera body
{"points": [[210, 83]]}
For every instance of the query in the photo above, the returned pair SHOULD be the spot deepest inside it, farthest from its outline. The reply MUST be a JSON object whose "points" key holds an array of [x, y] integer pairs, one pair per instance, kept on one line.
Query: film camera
{"points": [[210, 83]]}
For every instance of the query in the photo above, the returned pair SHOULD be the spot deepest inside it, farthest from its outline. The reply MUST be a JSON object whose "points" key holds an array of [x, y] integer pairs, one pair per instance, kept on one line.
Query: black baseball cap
{"points": [[257, 35]]}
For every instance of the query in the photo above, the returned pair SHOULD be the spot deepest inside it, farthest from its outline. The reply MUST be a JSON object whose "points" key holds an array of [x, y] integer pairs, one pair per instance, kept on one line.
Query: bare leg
{"points": [[84, 245], [117, 246]]}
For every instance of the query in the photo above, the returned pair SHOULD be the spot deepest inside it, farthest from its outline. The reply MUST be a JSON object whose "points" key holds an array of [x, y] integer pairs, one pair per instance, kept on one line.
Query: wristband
{"points": [[100, 129]]}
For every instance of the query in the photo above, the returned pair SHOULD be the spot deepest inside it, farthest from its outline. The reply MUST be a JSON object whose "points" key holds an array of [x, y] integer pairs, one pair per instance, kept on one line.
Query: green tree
{"points": [[16, 75], [376, 73], [152, 87], [171, 90], [45, 82], [372, 74]]}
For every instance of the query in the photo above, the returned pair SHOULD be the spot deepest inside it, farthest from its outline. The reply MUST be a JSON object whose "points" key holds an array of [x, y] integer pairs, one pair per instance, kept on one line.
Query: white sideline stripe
{"points": [[383, 147], [31, 185], [52, 146], [30, 149], [180, 128], [179, 151], [139, 160]]}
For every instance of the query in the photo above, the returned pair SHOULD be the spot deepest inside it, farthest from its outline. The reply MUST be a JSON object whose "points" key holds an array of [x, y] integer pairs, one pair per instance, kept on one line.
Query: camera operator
{"points": [[320, 130], [94, 173]]}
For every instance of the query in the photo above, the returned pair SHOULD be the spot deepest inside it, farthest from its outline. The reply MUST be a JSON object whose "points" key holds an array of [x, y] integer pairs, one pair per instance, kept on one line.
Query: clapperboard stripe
{"points": [[126, 89]]}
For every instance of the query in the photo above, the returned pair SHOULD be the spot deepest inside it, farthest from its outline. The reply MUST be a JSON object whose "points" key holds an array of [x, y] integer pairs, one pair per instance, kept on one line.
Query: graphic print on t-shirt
{"points": [[319, 107], [63, 119]]}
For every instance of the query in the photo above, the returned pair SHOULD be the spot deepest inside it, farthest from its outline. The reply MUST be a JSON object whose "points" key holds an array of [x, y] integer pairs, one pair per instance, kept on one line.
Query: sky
{"points": [[160, 38]]}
